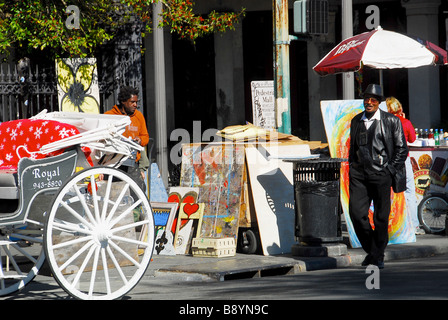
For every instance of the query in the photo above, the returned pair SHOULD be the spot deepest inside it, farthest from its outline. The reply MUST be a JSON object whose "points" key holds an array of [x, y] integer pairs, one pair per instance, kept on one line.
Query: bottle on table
{"points": [[436, 137], [430, 138], [441, 138]]}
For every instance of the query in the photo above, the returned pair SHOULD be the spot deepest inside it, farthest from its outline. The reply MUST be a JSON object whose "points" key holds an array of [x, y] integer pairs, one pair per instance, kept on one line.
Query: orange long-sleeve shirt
{"points": [[137, 128]]}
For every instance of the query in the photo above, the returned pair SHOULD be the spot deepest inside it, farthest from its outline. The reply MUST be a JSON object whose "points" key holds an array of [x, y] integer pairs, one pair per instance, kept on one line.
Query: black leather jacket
{"points": [[395, 142]]}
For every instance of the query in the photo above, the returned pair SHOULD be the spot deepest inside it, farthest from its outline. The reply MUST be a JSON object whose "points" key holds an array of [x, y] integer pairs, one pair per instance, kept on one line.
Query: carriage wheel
{"points": [[432, 212], [94, 245], [21, 256]]}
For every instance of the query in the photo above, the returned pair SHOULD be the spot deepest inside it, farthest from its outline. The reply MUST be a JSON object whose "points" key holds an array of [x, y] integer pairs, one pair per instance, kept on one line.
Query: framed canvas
{"points": [[164, 213]]}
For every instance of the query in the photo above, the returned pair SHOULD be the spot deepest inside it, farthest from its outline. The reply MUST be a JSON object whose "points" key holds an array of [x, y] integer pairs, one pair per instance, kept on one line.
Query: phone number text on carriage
{"points": [[46, 178]]}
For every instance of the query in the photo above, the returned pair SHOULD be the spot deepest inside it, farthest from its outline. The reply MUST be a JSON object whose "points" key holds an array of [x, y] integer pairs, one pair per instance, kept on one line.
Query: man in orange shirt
{"points": [[137, 131]]}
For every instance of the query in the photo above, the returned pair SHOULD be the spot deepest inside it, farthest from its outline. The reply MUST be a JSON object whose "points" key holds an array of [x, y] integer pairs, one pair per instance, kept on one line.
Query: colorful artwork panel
{"points": [[337, 115], [163, 213], [182, 227], [190, 214], [217, 170]]}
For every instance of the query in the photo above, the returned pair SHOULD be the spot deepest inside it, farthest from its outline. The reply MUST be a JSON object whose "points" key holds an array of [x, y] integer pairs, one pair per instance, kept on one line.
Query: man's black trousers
{"points": [[365, 188]]}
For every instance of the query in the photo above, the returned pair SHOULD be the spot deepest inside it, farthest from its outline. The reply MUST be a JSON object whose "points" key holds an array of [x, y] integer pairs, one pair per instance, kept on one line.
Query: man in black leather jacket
{"points": [[377, 150]]}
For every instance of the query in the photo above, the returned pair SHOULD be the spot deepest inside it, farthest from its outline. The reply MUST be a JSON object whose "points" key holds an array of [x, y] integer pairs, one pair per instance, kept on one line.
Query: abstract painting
{"points": [[337, 115], [217, 170]]}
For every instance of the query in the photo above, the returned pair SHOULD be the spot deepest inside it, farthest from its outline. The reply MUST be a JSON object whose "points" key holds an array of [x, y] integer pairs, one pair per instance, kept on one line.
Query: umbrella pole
{"points": [[381, 79], [348, 83]]}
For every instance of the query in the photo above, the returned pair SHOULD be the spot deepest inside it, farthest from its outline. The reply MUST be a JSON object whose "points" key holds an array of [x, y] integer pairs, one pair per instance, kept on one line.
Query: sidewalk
{"points": [[189, 268]]}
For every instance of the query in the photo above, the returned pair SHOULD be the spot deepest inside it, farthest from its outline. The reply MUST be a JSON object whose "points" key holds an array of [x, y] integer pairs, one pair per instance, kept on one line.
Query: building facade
{"points": [[207, 84]]}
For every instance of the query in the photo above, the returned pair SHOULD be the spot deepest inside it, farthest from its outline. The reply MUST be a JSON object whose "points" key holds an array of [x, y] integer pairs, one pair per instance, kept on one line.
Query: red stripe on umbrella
{"points": [[380, 49]]}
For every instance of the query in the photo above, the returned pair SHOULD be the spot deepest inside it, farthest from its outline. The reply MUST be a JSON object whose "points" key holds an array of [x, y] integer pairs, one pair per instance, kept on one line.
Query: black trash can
{"points": [[317, 198]]}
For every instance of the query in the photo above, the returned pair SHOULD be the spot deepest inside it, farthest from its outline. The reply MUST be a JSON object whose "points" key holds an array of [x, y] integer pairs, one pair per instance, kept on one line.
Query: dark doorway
{"points": [[194, 83], [258, 65]]}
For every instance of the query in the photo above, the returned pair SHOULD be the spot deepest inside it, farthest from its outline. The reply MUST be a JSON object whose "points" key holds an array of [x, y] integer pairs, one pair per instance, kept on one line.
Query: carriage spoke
{"points": [[106, 270], [71, 227], [130, 226], [72, 242], [83, 266], [77, 215], [2, 275], [127, 256], [27, 238], [13, 261], [125, 213], [26, 254], [106, 198], [94, 269], [117, 265], [95, 198], [117, 202], [84, 204], [76, 255], [129, 240]]}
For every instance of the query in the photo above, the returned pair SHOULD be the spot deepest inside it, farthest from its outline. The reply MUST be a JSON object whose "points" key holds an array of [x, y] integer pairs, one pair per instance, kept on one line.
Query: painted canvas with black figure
{"points": [[271, 181], [164, 214], [78, 89]]}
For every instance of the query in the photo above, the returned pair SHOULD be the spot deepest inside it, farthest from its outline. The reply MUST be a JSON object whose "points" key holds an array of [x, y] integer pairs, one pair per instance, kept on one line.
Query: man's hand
{"points": [[137, 140]]}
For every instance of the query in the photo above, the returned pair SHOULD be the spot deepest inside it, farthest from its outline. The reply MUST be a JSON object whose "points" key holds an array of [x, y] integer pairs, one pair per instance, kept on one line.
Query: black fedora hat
{"points": [[374, 90]]}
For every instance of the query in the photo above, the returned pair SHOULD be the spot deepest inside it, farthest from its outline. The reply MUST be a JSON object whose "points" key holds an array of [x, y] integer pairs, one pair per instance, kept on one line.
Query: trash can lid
{"points": [[318, 160]]}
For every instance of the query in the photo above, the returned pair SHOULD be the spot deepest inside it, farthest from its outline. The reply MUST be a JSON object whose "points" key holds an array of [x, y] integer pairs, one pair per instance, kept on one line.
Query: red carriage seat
{"points": [[24, 138]]}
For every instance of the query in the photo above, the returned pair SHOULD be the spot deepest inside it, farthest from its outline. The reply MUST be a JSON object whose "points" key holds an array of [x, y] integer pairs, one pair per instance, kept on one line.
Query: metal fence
{"points": [[120, 64], [40, 90], [23, 99]]}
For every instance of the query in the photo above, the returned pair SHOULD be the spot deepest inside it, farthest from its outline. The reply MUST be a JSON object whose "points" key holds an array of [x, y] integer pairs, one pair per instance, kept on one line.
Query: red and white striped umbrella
{"points": [[380, 49]]}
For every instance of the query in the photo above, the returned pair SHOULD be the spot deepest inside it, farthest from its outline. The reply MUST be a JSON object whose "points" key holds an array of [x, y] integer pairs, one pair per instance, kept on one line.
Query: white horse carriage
{"points": [[89, 220]]}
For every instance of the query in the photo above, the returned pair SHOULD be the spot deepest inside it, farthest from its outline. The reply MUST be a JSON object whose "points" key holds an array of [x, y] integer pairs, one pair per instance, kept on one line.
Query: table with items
{"points": [[430, 168]]}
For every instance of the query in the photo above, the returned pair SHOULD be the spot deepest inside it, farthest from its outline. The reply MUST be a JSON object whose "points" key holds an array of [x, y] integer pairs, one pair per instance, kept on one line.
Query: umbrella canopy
{"points": [[380, 49]]}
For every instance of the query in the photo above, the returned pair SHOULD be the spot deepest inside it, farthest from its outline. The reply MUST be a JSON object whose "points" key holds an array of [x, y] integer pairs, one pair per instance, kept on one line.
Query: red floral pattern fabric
{"points": [[24, 138]]}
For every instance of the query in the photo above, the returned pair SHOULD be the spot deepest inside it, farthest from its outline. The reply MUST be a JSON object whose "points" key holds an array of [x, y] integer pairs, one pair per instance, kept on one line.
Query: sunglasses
{"points": [[371, 99]]}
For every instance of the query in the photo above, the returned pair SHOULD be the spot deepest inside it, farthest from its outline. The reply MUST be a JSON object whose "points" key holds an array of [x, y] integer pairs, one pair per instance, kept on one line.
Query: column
{"points": [[424, 87], [229, 77]]}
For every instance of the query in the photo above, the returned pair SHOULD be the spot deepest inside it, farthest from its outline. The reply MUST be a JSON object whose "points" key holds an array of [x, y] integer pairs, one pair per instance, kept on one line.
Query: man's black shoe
{"points": [[367, 261]]}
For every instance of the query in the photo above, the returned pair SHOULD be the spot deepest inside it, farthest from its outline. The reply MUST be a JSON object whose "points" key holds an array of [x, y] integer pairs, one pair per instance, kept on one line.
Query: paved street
{"points": [[422, 279], [425, 278]]}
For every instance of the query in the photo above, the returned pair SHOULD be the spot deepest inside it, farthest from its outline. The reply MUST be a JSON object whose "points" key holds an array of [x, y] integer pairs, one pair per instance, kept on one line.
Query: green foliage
{"points": [[28, 25], [180, 18]]}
